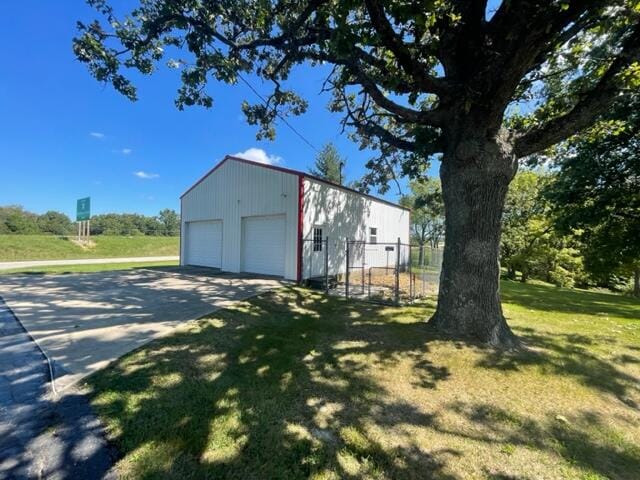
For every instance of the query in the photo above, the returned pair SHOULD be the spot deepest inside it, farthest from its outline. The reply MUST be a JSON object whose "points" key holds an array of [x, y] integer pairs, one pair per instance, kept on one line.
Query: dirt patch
{"points": [[382, 285], [84, 244]]}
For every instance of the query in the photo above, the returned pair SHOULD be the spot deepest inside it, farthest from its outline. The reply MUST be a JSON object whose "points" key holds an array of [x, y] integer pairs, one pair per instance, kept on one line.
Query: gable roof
{"points": [[291, 172]]}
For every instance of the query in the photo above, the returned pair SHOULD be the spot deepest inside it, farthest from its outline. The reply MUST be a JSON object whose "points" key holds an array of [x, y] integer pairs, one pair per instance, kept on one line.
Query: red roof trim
{"points": [[290, 171]]}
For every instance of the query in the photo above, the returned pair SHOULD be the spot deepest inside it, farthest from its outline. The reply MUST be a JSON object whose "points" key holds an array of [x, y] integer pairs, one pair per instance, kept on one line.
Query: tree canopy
{"points": [[400, 69], [531, 245], [427, 212], [15, 219], [166, 224], [597, 189], [55, 222], [170, 221]]}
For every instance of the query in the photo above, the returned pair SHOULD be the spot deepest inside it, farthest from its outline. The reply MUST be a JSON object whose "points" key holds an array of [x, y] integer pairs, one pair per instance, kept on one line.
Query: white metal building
{"points": [[244, 216]]}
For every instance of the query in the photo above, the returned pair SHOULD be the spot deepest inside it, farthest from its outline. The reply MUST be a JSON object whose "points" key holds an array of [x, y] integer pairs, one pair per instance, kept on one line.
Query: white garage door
{"points": [[263, 245], [204, 244]]}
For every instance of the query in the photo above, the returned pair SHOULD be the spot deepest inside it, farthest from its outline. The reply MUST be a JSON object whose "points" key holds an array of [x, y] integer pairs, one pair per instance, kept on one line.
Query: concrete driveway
{"points": [[85, 321]]}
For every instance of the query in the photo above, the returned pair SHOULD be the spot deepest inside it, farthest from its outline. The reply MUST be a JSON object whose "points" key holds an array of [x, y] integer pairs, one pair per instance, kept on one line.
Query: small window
{"points": [[373, 235], [317, 239]]}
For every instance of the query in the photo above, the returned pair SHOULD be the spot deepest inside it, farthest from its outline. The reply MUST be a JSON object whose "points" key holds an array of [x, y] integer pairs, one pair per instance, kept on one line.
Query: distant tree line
{"points": [[551, 229], [14, 219]]}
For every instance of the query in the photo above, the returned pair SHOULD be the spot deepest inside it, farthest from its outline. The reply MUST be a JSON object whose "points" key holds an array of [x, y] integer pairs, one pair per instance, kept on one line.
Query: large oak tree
{"points": [[481, 85]]}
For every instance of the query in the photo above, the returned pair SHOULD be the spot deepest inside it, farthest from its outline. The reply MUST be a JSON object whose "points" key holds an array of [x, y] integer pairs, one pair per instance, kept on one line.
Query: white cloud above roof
{"points": [[259, 155]]}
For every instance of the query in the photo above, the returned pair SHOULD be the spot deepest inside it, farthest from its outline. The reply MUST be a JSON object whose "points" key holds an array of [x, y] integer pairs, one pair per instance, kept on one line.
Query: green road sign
{"points": [[83, 209]]}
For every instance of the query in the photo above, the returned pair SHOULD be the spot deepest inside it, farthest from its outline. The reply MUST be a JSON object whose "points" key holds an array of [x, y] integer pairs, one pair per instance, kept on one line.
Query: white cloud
{"points": [[259, 155], [145, 175], [97, 135], [123, 151]]}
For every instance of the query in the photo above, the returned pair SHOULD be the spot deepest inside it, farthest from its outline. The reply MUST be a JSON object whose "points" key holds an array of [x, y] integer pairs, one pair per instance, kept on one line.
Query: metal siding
{"points": [[347, 215], [237, 190]]}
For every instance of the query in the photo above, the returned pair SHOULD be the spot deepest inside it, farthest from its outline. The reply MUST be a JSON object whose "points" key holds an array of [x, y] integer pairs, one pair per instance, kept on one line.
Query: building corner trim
{"points": [[300, 221]]}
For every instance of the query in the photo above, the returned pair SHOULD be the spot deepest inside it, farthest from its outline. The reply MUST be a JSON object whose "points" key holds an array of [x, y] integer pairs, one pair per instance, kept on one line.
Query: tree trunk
{"points": [[421, 255], [475, 176], [636, 282]]}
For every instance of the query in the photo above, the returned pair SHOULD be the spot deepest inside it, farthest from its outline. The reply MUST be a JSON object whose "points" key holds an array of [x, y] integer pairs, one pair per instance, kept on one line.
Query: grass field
{"points": [[98, 267], [51, 247], [293, 384]]}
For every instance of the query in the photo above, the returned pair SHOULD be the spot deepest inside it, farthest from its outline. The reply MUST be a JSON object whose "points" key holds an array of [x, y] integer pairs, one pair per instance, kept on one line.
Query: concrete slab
{"points": [[85, 321]]}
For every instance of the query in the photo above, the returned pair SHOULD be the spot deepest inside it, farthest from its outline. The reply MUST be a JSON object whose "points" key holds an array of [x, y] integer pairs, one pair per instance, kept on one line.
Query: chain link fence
{"points": [[392, 273]]}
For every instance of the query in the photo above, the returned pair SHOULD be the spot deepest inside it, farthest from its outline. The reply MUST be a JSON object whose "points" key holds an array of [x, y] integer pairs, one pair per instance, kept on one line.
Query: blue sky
{"points": [[64, 136]]}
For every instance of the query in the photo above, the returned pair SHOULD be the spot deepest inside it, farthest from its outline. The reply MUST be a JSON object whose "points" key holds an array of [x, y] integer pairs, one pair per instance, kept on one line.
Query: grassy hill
{"points": [[51, 247]]}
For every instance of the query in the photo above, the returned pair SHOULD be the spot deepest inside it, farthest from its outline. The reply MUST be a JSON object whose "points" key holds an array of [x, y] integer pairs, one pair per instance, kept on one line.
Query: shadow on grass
{"points": [[584, 440], [281, 391], [564, 300], [568, 355], [282, 387]]}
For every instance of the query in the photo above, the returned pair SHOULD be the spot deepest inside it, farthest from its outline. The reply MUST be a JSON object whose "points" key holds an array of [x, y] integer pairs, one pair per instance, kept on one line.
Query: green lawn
{"points": [[293, 384], [51, 247], [97, 267]]}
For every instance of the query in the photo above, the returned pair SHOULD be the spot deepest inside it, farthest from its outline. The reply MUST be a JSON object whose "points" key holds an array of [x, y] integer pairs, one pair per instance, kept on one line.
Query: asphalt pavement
{"points": [[42, 436]]}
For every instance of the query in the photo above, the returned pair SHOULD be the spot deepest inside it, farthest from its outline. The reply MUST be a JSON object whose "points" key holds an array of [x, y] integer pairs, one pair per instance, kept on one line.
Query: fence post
{"points": [[369, 287], [411, 279], [423, 276], [326, 266], [364, 250], [346, 285], [398, 273]]}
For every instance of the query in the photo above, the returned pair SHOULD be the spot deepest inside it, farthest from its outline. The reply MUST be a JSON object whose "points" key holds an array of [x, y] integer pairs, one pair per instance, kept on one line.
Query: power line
{"points": [[281, 117], [266, 104]]}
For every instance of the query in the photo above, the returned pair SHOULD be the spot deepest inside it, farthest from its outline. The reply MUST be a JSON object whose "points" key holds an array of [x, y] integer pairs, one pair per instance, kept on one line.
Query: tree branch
{"points": [[582, 23], [369, 127], [524, 33], [400, 50], [427, 117], [592, 104]]}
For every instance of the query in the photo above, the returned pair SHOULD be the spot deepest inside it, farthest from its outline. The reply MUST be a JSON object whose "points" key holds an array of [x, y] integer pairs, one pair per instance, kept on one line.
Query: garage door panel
{"points": [[204, 243], [263, 245]]}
